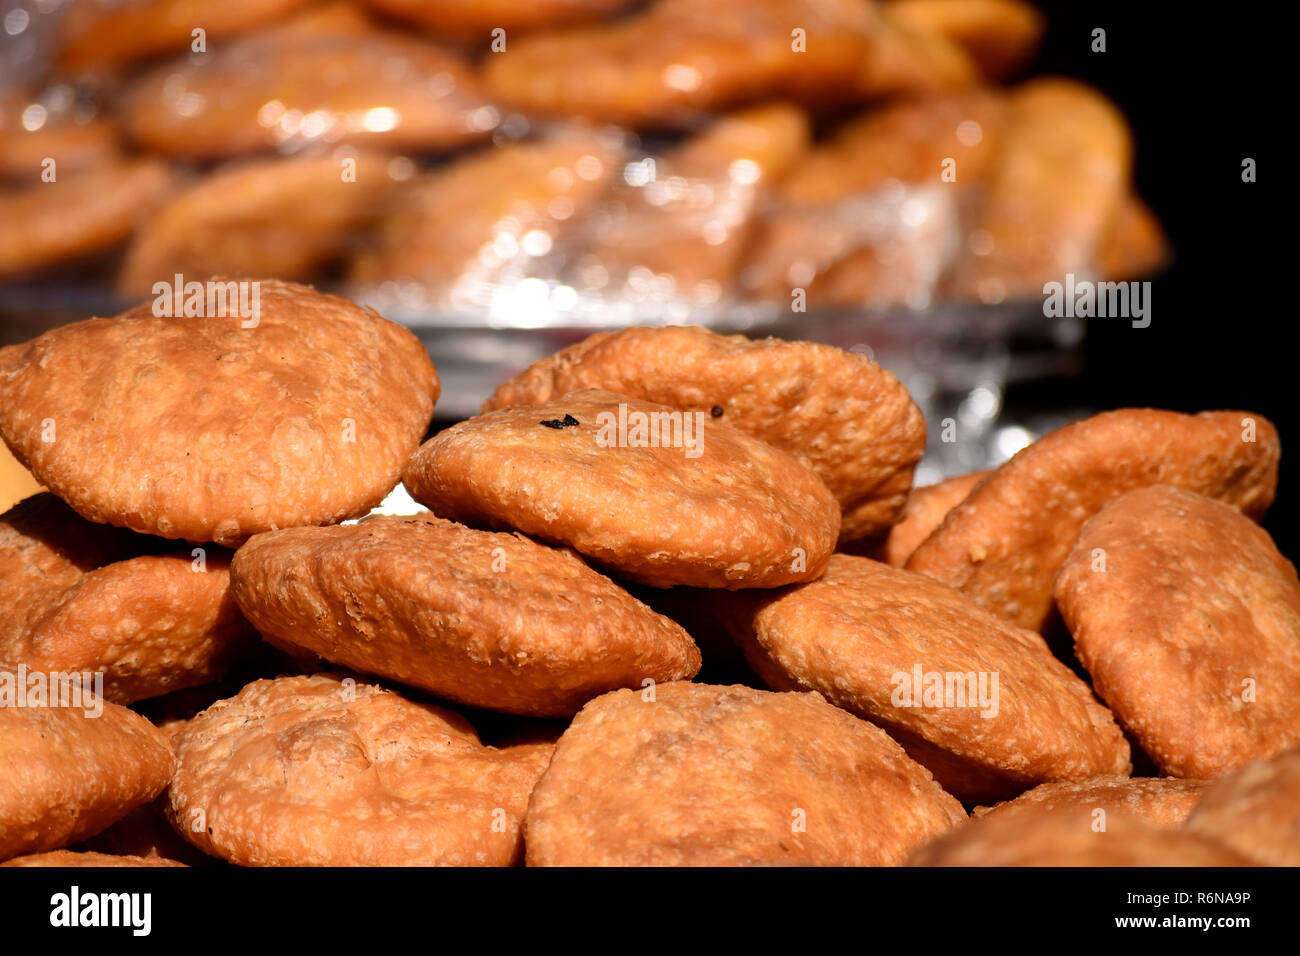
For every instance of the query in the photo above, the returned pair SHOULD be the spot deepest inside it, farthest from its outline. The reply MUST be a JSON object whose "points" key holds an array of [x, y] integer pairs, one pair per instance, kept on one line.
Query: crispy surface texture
{"points": [[447, 217], [66, 775], [86, 597], [666, 65], [286, 217], [849, 419], [96, 33], [1038, 836], [491, 620], [1003, 545], [64, 858], [304, 82], [80, 213], [859, 634], [1256, 811], [1162, 802], [1190, 629], [727, 776], [1063, 172], [739, 514], [201, 429], [925, 510], [326, 771]]}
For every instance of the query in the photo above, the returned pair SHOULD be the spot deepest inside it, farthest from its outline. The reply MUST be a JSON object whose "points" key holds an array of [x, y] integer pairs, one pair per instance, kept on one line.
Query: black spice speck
{"points": [[567, 422]]}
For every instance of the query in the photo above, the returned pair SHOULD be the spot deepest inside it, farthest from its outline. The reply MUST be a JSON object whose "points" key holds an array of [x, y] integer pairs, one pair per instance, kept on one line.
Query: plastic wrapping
{"points": [[840, 171]]}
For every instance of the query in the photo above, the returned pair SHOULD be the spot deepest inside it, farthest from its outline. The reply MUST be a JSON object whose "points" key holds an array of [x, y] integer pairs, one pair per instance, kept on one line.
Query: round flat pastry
{"points": [[328, 771], [1161, 802], [1000, 36], [1062, 173], [1003, 545], [1188, 620], [37, 125], [701, 775], [677, 59], [1256, 810], [68, 772], [689, 229], [95, 34], [299, 84], [63, 858], [491, 620], [89, 598], [475, 20], [79, 213], [457, 230], [925, 510], [1041, 837], [872, 215], [849, 419], [656, 494], [275, 406], [287, 217], [981, 703]]}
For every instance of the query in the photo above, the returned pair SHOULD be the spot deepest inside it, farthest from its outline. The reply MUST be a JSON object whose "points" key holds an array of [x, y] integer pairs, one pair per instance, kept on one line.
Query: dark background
{"points": [[1200, 87]]}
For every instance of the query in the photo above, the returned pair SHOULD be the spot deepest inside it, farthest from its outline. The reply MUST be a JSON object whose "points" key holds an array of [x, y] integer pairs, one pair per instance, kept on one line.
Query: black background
{"points": [[1200, 86], [763, 909]]}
